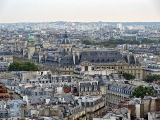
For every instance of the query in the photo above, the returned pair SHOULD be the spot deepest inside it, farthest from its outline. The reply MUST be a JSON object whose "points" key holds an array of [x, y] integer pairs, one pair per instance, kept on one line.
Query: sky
{"points": [[12, 11]]}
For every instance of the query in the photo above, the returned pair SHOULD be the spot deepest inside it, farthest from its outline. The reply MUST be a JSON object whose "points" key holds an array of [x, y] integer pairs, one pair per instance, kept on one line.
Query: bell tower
{"points": [[65, 43], [31, 46]]}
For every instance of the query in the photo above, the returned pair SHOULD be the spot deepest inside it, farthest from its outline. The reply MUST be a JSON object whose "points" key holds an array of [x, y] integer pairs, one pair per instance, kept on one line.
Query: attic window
{"points": [[86, 68]]}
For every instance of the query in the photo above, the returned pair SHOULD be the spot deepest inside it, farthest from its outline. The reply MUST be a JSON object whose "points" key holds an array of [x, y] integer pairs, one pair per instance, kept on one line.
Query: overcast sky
{"points": [[79, 10]]}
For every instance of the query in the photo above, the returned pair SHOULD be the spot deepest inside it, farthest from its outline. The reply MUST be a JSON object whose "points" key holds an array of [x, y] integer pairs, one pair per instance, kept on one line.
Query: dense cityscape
{"points": [[80, 71], [79, 60]]}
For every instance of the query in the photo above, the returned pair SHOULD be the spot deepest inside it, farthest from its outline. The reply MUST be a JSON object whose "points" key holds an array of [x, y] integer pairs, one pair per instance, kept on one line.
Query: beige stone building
{"points": [[65, 59]]}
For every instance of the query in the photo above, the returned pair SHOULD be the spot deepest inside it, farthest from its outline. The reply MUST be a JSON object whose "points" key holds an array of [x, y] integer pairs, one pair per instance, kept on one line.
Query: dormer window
{"points": [[86, 68]]}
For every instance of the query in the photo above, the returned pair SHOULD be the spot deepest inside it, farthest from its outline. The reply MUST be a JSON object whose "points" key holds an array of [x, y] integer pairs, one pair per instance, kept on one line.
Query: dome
{"points": [[30, 38], [37, 47]]}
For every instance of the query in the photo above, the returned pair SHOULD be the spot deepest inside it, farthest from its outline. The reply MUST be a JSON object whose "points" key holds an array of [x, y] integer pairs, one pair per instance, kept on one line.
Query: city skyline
{"points": [[79, 11]]}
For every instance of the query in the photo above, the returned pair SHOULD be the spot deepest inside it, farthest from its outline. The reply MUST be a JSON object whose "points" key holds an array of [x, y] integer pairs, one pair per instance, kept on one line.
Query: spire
{"points": [[65, 35]]}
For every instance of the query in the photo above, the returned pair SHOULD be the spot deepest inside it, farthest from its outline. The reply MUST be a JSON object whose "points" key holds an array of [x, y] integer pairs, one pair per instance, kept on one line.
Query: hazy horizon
{"points": [[79, 11]]}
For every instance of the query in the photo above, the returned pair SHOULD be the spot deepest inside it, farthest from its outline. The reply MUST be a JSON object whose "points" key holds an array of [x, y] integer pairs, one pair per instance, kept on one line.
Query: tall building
{"points": [[65, 44], [120, 26], [31, 46]]}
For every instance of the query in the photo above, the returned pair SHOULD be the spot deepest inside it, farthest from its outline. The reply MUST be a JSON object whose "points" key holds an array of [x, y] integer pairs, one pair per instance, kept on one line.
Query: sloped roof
{"points": [[101, 56]]}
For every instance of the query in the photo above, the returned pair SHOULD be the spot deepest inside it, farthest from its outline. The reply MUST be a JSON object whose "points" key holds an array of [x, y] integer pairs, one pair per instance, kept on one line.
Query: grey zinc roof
{"points": [[67, 61], [100, 56], [26, 55], [64, 52], [5, 53], [35, 56]]}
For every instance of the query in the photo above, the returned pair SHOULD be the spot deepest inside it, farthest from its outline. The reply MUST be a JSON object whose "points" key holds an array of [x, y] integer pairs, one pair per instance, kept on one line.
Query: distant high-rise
{"points": [[120, 26]]}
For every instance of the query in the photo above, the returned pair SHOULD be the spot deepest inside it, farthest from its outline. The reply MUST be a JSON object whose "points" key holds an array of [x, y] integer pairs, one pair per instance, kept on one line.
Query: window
{"points": [[138, 75], [86, 68]]}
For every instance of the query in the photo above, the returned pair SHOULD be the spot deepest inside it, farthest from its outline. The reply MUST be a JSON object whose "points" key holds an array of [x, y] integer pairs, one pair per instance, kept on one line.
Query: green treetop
{"points": [[141, 91], [23, 66], [128, 76], [151, 78]]}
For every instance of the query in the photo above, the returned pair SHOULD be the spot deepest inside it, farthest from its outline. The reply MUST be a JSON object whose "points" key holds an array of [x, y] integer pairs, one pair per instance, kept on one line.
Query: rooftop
{"points": [[89, 98]]}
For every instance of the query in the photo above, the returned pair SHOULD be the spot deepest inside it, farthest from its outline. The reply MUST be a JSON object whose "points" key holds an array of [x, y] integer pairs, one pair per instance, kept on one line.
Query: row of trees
{"points": [[23, 66], [114, 42], [148, 78], [152, 78], [87, 42]]}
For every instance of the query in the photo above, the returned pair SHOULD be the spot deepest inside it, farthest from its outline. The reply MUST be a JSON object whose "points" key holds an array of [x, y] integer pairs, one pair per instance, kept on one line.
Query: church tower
{"points": [[31, 46], [65, 44]]}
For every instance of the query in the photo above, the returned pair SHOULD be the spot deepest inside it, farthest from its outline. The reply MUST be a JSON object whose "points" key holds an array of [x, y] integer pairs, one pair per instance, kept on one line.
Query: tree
{"points": [[151, 78], [23, 66], [148, 41], [128, 76], [141, 91], [87, 42]]}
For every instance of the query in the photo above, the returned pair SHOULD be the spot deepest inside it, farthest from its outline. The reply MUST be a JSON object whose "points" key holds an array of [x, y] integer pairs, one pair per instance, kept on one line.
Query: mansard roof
{"points": [[5, 53], [67, 61], [101, 56]]}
